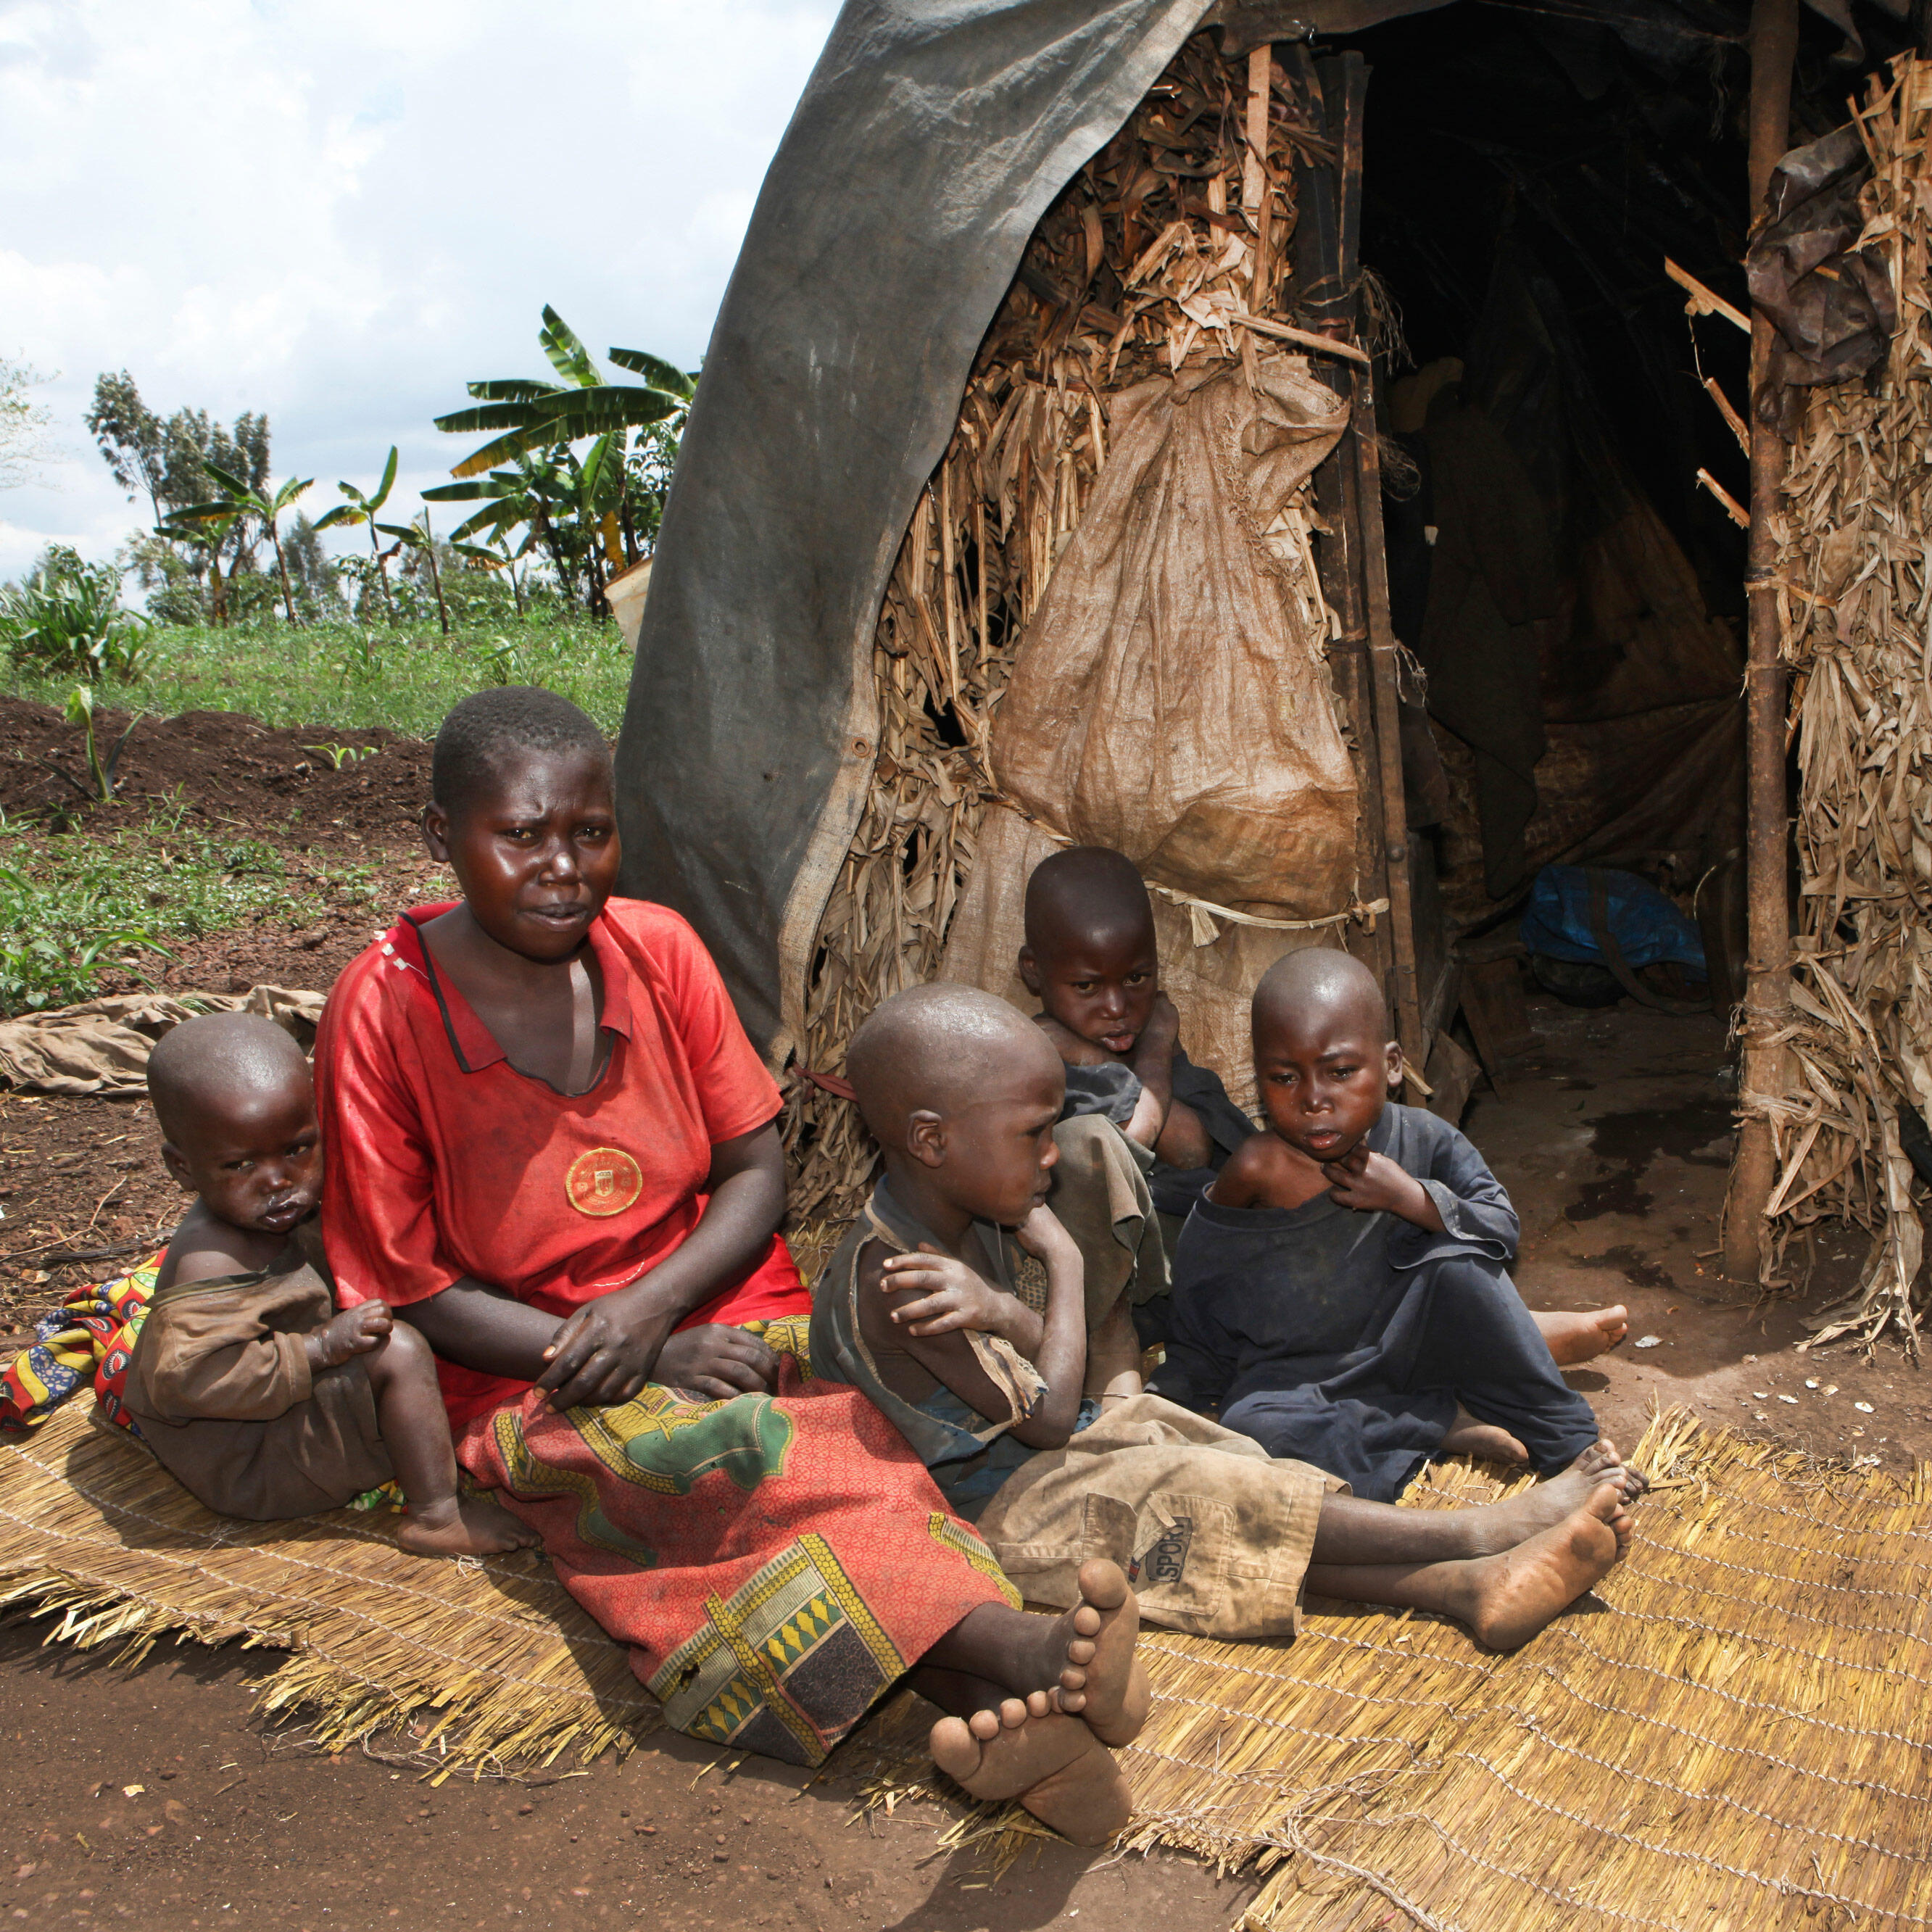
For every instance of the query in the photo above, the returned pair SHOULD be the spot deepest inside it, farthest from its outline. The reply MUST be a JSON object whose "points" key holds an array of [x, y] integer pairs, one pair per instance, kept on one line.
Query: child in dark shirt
{"points": [[248, 1385], [1091, 960], [1340, 1292]]}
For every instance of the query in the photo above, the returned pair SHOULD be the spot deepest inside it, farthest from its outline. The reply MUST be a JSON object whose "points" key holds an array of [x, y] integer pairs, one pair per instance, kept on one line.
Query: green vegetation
{"points": [[335, 677], [73, 906], [64, 620]]}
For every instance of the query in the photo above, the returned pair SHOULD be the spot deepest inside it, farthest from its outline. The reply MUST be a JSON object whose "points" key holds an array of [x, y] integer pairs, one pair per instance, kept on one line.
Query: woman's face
{"points": [[535, 852]]}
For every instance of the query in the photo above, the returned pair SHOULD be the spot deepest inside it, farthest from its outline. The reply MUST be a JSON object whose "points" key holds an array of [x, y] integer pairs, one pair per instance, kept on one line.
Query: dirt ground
{"points": [[148, 1798]]}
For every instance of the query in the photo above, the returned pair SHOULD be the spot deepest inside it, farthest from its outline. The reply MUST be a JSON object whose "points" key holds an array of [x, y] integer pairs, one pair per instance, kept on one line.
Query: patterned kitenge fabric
{"points": [[88, 1338], [775, 1562]]}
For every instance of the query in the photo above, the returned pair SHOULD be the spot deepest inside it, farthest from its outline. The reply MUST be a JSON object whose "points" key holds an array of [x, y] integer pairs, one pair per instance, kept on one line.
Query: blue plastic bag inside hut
{"points": [[1647, 926]]}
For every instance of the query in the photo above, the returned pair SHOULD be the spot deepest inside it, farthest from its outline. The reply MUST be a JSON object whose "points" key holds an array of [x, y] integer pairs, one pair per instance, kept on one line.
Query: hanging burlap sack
{"points": [[1171, 699]]}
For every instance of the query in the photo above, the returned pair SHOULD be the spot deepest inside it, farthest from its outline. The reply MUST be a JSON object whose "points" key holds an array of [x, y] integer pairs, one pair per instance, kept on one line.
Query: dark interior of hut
{"points": [[1572, 591]]}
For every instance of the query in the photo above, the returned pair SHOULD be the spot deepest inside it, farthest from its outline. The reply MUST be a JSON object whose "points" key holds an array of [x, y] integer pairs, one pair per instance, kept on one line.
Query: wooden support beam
{"points": [[1765, 1070]]}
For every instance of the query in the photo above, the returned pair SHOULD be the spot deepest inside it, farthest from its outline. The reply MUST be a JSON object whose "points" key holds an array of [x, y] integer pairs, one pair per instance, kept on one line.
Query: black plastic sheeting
{"points": [[932, 135], [929, 141]]}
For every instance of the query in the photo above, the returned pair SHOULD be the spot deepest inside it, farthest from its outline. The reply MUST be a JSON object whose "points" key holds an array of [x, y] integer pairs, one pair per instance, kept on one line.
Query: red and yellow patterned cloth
{"points": [[88, 1339], [775, 1561]]}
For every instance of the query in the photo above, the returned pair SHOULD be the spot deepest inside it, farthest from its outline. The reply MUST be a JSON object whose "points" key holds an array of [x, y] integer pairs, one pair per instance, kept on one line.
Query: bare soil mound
{"points": [[222, 766]]}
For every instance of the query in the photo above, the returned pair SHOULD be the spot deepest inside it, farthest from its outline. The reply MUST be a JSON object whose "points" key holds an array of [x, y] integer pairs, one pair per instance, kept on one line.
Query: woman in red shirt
{"points": [[550, 1148]]}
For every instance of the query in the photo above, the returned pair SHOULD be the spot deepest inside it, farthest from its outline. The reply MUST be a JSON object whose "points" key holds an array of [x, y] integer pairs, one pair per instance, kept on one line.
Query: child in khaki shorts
{"points": [[1045, 1438]]}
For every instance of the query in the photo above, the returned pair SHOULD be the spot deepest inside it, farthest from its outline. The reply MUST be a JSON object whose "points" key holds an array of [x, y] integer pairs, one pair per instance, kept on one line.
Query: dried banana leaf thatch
{"points": [[1854, 595], [1169, 249]]}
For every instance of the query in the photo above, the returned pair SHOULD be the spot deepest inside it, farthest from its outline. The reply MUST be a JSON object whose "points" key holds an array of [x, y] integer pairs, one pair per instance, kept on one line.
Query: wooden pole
{"points": [[1765, 1068], [1351, 71], [1255, 195], [1325, 271]]}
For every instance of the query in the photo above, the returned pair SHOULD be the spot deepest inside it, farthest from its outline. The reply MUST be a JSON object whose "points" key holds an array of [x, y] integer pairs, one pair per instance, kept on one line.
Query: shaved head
{"points": [[217, 1067], [1319, 982], [931, 1048], [1086, 893]]}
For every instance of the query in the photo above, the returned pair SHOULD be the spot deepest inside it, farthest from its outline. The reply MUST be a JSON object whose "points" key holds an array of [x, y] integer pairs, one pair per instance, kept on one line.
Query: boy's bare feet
{"points": [[1574, 1338], [1496, 1527], [462, 1526], [1466, 1436], [1112, 1692], [1505, 1600], [1058, 1770]]}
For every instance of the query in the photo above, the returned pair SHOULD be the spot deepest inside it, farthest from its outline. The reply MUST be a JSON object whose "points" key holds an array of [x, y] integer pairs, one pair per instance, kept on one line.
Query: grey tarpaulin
{"points": [[929, 141]]}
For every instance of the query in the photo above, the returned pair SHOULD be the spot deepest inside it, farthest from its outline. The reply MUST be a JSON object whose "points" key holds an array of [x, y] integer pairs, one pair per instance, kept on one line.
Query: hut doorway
{"points": [[1566, 592]]}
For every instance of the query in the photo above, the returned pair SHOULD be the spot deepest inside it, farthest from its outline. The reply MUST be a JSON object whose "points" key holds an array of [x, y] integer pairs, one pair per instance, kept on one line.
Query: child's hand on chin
{"points": [[1042, 1234], [1372, 1183]]}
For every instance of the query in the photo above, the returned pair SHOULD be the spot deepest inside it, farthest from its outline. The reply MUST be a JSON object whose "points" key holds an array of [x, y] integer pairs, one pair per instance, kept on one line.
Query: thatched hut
{"points": [[1140, 426]]}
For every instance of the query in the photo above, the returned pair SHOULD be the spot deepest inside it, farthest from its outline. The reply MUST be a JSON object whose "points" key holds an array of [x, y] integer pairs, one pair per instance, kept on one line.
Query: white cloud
{"points": [[338, 214]]}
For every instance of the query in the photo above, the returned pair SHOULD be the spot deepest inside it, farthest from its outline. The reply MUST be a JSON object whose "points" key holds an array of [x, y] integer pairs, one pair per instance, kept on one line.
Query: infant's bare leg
{"points": [[415, 1431]]}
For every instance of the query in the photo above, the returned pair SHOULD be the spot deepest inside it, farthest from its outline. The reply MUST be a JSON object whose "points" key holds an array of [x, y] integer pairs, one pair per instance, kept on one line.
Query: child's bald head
{"points": [[1091, 956], [1324, 1062], [1319, 981], [1086, 894], [221, 1067], [237, 1109], [955, 1082]]}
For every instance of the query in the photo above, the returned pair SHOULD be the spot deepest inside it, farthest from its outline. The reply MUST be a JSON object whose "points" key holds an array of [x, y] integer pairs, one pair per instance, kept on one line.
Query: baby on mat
{"points": [[1340, 1292], [917, 1309], [247, 1384]]}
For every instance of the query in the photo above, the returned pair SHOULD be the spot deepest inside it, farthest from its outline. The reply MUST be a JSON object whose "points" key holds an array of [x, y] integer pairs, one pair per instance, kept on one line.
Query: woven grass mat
{"points": [[1733, 1734]]}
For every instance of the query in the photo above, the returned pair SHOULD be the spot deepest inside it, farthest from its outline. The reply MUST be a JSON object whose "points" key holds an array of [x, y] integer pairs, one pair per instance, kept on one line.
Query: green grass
{"points": [[77, 905], [353, 676]]}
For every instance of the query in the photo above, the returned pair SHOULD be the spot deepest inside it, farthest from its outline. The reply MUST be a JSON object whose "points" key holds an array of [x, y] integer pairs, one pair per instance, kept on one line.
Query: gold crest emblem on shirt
{"points": [[603, 1180]]}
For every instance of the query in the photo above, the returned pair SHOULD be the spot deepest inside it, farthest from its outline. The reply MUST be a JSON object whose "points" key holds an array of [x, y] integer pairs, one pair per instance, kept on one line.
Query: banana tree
{"points": [[356, 509], [206, 538], [499, 556], [419, 536], [238, 499], [530, 416]]}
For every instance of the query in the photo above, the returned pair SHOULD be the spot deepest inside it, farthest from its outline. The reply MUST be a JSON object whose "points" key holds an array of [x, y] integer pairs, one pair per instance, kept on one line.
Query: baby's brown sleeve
{"points": [[212, 1356]]}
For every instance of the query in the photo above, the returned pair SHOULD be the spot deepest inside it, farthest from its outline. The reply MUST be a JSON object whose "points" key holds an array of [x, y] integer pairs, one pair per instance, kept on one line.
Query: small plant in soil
{"points": [[82, 912]]}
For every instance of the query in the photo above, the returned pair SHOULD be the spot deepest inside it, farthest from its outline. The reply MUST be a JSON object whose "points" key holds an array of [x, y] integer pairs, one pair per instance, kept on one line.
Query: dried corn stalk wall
{"points": [[1855, 597], [1158, 254]]}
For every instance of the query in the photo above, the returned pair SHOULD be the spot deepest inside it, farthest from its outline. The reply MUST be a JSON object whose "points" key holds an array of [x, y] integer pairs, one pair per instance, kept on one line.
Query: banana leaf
{"points": [[660, 374]]}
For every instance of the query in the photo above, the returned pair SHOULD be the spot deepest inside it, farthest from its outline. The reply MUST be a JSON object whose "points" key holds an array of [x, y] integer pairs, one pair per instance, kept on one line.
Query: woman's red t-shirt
{"points": [[443, 1160]]}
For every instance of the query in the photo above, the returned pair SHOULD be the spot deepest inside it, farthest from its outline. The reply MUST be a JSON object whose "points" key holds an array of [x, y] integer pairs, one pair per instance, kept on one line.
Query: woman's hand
{"points": [[953, 1297], [716, 1362], [605, 1352]]}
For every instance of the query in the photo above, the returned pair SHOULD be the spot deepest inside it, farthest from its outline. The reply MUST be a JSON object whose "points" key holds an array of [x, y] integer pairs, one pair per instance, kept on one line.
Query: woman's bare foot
{"points": [[1505, 1600], [462, 1526], [1112, 1692], [1468, 1437], [1053, 1764], [1574, 1338], [1496, 1527]]}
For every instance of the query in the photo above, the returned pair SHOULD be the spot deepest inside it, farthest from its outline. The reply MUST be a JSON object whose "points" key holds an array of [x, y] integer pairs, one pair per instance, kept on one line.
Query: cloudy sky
{"points": [[337, 214]]}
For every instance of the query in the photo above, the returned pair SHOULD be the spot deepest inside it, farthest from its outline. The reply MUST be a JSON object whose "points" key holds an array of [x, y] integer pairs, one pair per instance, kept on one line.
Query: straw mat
{"points": [[1732, 1734]]}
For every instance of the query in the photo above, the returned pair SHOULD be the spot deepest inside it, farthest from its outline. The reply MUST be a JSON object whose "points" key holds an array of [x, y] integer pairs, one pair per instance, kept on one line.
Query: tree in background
{"points": [[23, 424], [311, 571], [593, 516], [242, 500], [165, 459], [355, 508]]}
